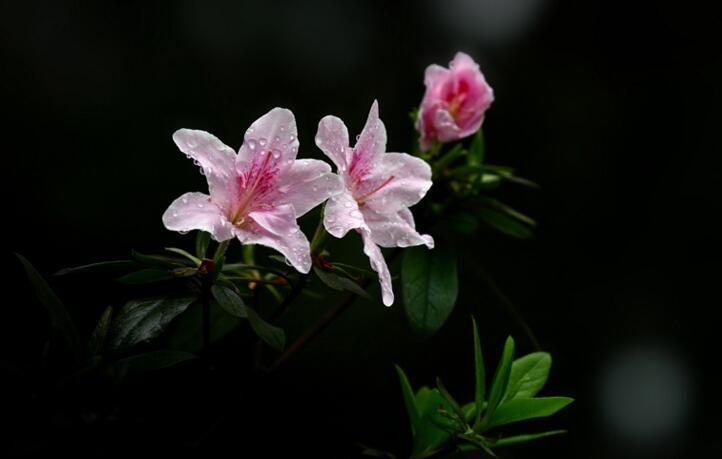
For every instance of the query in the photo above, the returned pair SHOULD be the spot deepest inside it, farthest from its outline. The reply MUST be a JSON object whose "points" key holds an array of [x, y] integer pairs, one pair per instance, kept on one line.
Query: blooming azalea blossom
{"points": [[378, 189], [257, 194], [455, 101]]}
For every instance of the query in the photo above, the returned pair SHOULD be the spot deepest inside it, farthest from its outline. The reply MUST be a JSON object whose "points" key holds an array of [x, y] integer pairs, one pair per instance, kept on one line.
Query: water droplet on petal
{"points": [[262, 142], [291, 137], [319, 141], [356, 214], [276, 154], [294, 150], [347, 204], [175, 214], [183, 232], [277, 140], [252, 144], [185, 200], [283, 128], [358, 136], [200, 205]]}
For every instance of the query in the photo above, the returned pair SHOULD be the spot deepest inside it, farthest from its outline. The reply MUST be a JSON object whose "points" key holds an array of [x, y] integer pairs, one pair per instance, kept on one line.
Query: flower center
{"points": [[455, 103], [361, 200], [252, 184]]}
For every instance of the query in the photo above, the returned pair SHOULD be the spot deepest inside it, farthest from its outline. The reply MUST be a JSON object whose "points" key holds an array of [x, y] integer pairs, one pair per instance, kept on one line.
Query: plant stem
{"points": [[320, 236], [221, 250]]}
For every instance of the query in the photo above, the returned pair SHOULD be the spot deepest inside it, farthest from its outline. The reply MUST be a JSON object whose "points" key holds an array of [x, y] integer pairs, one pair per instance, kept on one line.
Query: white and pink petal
{"points": [[332, 139], [402, 180], [342, 214], [395, 230], [378, 264], [195, 211], [306, 184]]}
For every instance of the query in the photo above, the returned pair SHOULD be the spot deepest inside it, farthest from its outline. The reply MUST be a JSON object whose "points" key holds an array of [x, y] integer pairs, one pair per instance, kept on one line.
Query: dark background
{"points": [[614, 107]]}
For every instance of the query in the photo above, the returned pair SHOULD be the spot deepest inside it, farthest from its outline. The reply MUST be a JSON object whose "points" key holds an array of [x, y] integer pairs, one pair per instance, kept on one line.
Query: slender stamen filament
{"points": [[238, 216], [362, 199]]}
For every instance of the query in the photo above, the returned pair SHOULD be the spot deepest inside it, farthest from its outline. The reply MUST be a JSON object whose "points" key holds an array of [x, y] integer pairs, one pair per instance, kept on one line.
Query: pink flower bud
{"points": [[454, 103]]}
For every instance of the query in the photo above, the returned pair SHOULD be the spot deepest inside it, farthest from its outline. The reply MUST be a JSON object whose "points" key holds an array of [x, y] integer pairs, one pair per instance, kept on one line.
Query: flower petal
{"points": [[379, 265], [332, 139], [396, 230], [306, 184], [342, 214], [195, 211], [275, 132], [277, 228], [215, 159], [370, 146], [433, 73], [411, 180]]}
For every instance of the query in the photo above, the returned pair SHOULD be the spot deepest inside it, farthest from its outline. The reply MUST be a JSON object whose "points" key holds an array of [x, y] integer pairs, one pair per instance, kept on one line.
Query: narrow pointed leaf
{"points": [[229, 301], [158, 260], [154, 360], [480, 386], [203, 239], [477, 149], [516, 439], [409, 400], [527, 408], [96, 343], [430, 287], [501, 378], [504, 223], [59, 316], [341, 283], [433, 430], [183, 253], [115, 264], [270, 334], [450, 398], [146, 276], [528, 375]]}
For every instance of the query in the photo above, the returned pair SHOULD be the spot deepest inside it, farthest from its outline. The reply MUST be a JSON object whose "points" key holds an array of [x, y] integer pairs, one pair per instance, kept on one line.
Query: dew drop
{"points": [[175, 214], [294, 150], [185, 200], [262, 142], [183, 232], [347, 204], [200, 205], [319, 141], [252, 144], [291, 137], [358, 136], [356, 213], [277, 140]]}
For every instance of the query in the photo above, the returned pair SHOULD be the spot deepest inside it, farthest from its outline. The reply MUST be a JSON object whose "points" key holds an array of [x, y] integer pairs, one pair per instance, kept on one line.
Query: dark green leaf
{"points": [[183, 253], [158, 260], [337, 282], [448, 158], [504, 223], [480, 385], [501, 378], [477, 149], [430, 287], [500, 206], [96, 343], [270, 334], [409, 400], [96, 266], [521, 409], [203, 239], [59, 316], [434, 430], [450, 398], [462, 221], [146, 276], [516, 439], [229, 301], [154, 360], [528, 375], [186, 331], [141, 320]]}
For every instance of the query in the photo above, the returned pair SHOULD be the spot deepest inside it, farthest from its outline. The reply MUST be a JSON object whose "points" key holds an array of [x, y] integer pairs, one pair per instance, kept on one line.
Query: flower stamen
{"points": [[361, 200]]}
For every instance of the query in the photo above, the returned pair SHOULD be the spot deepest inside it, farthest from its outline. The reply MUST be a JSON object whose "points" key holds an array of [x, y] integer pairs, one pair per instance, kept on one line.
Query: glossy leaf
{"points": [[430, 287], [229, 301], [141, 320], [203, 239], [96, 343], [341, 283], [59, 316], [480, 372], [527, 408], [115, 264], [501, 378], [146, 276], [270, 334], [516, 439], [183, 253], [528, 375], [433, 430], [158, 260], [154, 360], [409, 400]]}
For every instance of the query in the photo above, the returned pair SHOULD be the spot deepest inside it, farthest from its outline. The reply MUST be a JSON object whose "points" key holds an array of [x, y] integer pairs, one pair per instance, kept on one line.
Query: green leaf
{"points": [[430, 287], [229, 301], [516, 439], [504, 223], [501, 378], [96, 343], [433, 430], [154, 360], [97, 266], [158, 260], [489, 181], [270, 334], [480, 386], [500, 206], [521, 409], [450, 398], [141, 320], [59, 316], [409, 400], [341, 283], [528, 375], [186, 331], [183, 253], [146, 276], [448, 158], [203, 239], [477, 149]]}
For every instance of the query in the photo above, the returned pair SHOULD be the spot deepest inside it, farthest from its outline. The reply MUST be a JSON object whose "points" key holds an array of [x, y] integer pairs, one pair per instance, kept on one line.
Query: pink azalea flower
{"points": [[257, 194], [379, 188], [454, 103]]}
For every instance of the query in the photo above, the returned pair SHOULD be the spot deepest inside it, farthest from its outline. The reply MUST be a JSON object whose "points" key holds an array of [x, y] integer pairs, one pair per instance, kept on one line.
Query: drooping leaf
{"points": [[430, 287], [516, 439], [480, 372], [154, 360], [504, 223], [141, 320], [229, 301], [409, 400], [162, 261], [146, 276], [341, 283], [528, 375], [270, 334], [59, 316], [184, 253], [521, 409], [96, 343], [115, 264], [203, 239], [501, 378]]}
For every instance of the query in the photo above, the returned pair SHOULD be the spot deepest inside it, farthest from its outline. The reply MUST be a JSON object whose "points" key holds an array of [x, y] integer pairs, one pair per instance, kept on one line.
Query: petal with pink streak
{"points": [[342, 214], [277, 228], [332, 139], [370, 146], [396, 230], [215, 159], [195, 211], [306, 184], [379, 265], [275, 132], [403, 181], [433, 73]]}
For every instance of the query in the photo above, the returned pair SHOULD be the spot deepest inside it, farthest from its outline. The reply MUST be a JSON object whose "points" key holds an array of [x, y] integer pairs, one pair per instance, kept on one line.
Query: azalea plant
{"points": [[255, 197]]}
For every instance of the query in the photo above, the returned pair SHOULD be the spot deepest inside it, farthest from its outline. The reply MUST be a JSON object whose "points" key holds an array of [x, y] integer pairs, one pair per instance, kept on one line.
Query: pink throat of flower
{"points": [[455, 104], [252, 184], [361, 200]]}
